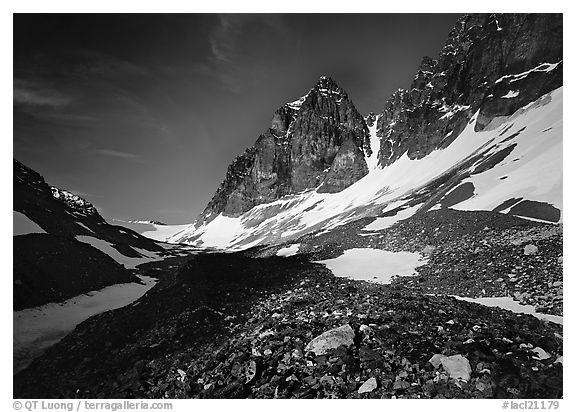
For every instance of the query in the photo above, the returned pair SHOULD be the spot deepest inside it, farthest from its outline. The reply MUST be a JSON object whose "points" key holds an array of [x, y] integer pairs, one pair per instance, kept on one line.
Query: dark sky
{"points": [[141, 114]]}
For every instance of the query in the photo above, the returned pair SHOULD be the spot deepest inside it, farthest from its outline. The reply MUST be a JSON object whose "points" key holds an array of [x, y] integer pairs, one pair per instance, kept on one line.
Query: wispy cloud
{"points": [[36, 94], [116, 153], [232, 43]]}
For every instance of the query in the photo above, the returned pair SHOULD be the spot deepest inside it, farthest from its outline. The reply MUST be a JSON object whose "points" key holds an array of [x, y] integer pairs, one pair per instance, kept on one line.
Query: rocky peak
{"points": [[316, 142], [484, 59], [328, 88], [74, 202]]}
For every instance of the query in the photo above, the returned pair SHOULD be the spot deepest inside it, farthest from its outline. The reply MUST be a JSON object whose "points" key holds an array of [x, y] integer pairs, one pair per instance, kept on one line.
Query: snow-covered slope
{"points": [[512, 160], [23, 225]]}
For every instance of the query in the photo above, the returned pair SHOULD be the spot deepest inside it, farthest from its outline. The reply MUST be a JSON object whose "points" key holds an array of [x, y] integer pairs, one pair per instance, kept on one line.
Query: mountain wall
{"points": [[316, 142], [485, 62], [479, 129]]}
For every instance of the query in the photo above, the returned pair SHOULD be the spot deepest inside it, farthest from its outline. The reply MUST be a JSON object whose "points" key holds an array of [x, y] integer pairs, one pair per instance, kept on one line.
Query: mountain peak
{"points": [[316, 142], [326, 80], [328, 87]]}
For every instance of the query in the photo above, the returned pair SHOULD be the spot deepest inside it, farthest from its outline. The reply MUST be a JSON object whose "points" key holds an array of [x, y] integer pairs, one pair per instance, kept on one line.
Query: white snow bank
{"points": [[511, 94], [128, 262], [36, 329], [374, 265], [223, 229], [86, 227], [544, 67], [163, 232], [23, 225], [372, 160], [508, 303], [289, 251], [387, 221], [533, 169]]}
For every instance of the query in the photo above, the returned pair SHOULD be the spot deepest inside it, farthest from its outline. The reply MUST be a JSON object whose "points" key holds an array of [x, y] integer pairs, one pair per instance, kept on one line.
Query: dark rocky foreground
{"points": [[236, 326]]}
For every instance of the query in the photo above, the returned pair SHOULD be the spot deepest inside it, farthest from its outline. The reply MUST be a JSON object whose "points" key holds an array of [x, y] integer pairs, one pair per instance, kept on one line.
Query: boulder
{"points": [[530, 249], [457, 366], [540, 353], [332, 339], [368, 386]]}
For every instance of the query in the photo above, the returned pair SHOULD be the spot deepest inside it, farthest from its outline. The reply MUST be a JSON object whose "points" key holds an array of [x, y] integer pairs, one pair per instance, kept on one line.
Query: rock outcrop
{"points": [[318, 141], [494, 64]]}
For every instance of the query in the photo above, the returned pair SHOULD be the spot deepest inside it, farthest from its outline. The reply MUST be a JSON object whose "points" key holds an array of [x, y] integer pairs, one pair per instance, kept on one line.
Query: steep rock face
{"points": [[492, 63], [318, 141]]}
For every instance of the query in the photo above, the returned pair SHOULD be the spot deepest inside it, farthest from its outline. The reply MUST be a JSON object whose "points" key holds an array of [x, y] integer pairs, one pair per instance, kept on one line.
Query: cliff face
{"points": [[485, 63], [318, 141]]}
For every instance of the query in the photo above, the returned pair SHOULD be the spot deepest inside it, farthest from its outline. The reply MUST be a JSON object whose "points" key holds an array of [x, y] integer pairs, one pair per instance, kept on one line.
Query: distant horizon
{"points": [[142, 119]]}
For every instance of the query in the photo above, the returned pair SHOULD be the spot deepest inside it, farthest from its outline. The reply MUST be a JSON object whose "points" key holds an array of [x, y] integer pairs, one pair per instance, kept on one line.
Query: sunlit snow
{"points": [[374, 265], [387, 221], [128, 262], [163, 232], [534, 168], [511, 94], [544, 67], [289, 250], [372, 160], [535, 175], [508, 303]]}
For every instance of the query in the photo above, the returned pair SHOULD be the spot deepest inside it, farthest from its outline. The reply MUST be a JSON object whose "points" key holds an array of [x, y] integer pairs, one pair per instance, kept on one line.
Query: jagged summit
{"points": [[325, 87], [316, 142], [75, 202], [326, 83], [446, 92]]}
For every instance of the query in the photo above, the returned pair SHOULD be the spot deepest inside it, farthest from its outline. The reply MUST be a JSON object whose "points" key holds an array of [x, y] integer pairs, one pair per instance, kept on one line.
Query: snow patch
{"points": [[163, 232], [508, 303], [374, 265], [544, 67], [372, 160], [23, 225], [85, 227], [106, 247], [451, 111], [385, 222], [289, 251], [537, 173], [511, 94], [36, 329]]}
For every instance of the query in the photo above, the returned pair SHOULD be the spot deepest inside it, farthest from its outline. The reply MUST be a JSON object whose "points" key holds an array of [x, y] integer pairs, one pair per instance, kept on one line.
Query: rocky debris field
{"points": [[336, 338], [472, 254], [231, 325], [189, 306]]}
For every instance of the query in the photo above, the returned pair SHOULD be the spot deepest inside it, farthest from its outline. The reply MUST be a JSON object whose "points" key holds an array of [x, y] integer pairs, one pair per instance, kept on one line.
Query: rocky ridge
{"points": [[55, 266], [494, 64]]}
